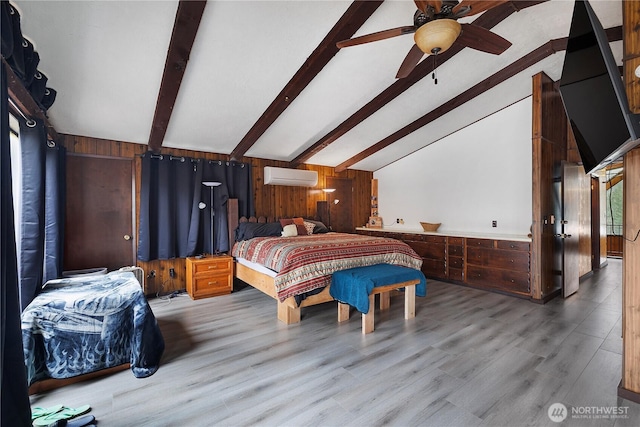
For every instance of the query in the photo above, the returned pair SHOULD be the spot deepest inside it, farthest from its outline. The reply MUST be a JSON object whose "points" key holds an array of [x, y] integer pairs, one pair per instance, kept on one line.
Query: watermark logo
{"points": [[557, 412]]}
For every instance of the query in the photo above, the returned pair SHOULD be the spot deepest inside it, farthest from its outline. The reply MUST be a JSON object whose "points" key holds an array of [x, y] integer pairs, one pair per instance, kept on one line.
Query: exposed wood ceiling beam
{"points": [[615, 180], [509, 71], [185, 27], [488, 20], [356, 15], [24, 102]]}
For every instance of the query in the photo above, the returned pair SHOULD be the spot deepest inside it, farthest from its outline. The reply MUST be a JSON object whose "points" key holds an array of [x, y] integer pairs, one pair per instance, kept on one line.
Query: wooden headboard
{"points": [[234, 219]]}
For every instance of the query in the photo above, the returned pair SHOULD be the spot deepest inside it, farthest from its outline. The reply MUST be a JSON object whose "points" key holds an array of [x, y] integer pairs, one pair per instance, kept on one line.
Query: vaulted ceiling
{"points": [[265, 79]]}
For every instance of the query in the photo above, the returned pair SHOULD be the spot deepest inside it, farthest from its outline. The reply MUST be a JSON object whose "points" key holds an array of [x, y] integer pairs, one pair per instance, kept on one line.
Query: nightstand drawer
{"points": [[212, 266], [218, 284]]}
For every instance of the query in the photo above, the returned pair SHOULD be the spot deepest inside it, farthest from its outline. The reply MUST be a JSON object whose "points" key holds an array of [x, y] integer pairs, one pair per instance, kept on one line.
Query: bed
{"points": [[296, 270], [82, 325]]}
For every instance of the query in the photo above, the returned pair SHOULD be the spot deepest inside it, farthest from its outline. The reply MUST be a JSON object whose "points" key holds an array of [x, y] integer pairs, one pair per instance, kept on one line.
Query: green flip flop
{"points": [[64, 414], [37, 411]]}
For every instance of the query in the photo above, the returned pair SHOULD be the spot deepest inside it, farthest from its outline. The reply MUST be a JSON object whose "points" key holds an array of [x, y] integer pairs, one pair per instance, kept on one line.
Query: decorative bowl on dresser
{"points": [[209, 276]]}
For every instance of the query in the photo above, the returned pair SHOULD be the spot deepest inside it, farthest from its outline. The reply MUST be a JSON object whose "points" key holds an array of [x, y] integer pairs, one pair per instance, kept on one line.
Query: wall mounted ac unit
{"points": [[294, 177]]}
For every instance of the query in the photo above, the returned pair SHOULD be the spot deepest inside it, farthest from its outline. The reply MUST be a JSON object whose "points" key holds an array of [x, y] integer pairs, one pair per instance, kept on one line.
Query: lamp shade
{"points": [[437, 36]]}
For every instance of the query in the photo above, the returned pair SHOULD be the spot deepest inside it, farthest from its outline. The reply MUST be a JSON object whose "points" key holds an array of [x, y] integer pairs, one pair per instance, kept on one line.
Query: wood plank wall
{"points": [[549, 148], [631, 278], [279, 201], [553, 143], [630, 384]]}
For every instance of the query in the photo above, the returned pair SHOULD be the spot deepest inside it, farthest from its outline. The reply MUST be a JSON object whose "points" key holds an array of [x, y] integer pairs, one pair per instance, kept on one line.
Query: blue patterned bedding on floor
{"points": [[84, 324]]}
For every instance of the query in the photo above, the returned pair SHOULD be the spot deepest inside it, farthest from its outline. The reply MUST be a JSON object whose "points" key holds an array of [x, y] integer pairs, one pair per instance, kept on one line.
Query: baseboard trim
{"points": [[628, 394], [547, 298]]}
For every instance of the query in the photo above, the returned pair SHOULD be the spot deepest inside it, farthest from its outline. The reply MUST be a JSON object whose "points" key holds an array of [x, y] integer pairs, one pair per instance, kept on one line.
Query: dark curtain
{"points": [[54, 210], [168, 226], [240, 186], [175, 206], [43, 204], [33, 139], [16, 409], [215, 171], [23, 59]]}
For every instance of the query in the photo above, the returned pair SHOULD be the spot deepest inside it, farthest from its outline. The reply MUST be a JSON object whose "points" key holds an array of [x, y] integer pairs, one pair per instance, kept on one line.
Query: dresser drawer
{"points": [[435, 239], [410, 237], [212, 285], [459, 241], [513, 246], [212, 266], [429, 250], [496, 258], [512, 281], [480, 243], [434, 268], [455, 274], [455, 250], [455, 262]]}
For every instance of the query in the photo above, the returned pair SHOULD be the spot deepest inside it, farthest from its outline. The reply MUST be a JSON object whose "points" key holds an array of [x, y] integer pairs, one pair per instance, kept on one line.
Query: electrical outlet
{"points": [[494, 223], [151, 274], [397, 220], [172, 273]]}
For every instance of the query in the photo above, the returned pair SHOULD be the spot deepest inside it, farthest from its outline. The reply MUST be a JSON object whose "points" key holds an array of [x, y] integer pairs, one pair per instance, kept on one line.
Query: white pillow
{"points": [[290, 230]]}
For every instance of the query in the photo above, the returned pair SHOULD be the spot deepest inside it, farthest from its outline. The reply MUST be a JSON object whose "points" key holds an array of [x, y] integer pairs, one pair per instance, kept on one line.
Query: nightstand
{"points": [[209, 276]]}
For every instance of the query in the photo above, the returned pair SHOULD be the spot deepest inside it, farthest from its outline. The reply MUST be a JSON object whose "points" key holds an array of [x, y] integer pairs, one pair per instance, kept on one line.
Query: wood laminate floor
{"points": [[469, 358]]}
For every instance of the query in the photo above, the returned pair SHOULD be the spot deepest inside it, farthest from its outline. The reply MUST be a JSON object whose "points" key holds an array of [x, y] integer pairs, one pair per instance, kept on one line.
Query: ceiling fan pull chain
{"points": [[433, 74]]}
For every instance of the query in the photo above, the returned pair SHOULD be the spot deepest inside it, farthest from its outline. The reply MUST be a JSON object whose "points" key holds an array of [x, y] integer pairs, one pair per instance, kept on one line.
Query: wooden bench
{"points": [[360, 279], [368, 319]]}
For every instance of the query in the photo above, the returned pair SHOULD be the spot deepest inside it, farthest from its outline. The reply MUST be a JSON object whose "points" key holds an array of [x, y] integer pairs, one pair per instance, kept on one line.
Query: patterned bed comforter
{"points": [[85, 324], [304, 263]]}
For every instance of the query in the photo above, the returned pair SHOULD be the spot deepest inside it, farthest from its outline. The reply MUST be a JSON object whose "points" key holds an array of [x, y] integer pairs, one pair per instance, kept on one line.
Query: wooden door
{"points": [[570, 228], [99, 216], [341, 204]]}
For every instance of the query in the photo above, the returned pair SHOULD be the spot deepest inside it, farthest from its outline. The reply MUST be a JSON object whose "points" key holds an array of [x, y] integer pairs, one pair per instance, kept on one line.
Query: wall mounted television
{"points": [[593, 93]]}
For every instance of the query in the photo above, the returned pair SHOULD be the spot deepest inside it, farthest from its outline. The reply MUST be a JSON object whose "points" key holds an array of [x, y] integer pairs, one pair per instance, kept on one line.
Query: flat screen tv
{"points": [[593, 93]]}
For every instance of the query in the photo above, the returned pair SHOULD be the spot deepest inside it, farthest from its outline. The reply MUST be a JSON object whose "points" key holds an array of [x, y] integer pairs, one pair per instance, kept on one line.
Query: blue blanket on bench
{"points": [[354, 285]]}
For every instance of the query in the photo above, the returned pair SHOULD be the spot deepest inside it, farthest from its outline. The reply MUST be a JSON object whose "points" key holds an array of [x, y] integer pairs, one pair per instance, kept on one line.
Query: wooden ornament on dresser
{"points": [[375, 221]]}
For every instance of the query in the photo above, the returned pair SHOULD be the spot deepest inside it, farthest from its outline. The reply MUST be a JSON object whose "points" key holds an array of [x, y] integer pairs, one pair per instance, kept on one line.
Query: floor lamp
{"points": [[211, 185]]}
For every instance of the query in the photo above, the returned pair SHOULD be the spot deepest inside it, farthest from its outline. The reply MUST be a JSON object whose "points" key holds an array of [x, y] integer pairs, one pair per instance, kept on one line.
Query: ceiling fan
{"points": [[435, 28]]}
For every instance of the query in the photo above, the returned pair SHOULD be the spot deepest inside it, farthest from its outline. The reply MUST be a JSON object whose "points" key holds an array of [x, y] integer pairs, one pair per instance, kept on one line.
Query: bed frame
{"points": [[288, 311]]}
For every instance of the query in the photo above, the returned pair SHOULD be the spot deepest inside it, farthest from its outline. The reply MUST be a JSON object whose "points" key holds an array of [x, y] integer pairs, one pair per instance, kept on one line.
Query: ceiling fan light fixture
{"points": [[437, 36]]}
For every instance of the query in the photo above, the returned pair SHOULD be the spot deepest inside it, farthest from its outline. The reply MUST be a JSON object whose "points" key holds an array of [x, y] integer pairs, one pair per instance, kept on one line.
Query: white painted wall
{"points": [[465, 180]]}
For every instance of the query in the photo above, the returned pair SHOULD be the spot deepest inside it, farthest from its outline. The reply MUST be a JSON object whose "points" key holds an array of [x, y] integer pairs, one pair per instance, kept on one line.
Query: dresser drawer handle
{"points": [[215, 282], [512, 261], [212, 267]]}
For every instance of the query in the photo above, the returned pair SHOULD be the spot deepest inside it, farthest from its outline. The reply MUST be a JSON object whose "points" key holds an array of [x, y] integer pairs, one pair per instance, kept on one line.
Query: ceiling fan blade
{"points": [[410, 61], [480, 38], [380, 35], [476, 6], [423, 4]]}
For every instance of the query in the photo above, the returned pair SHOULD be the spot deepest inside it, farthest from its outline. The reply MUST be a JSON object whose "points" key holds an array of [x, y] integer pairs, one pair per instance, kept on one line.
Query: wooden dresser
{"points": [[499, 264], [209, 276]]}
